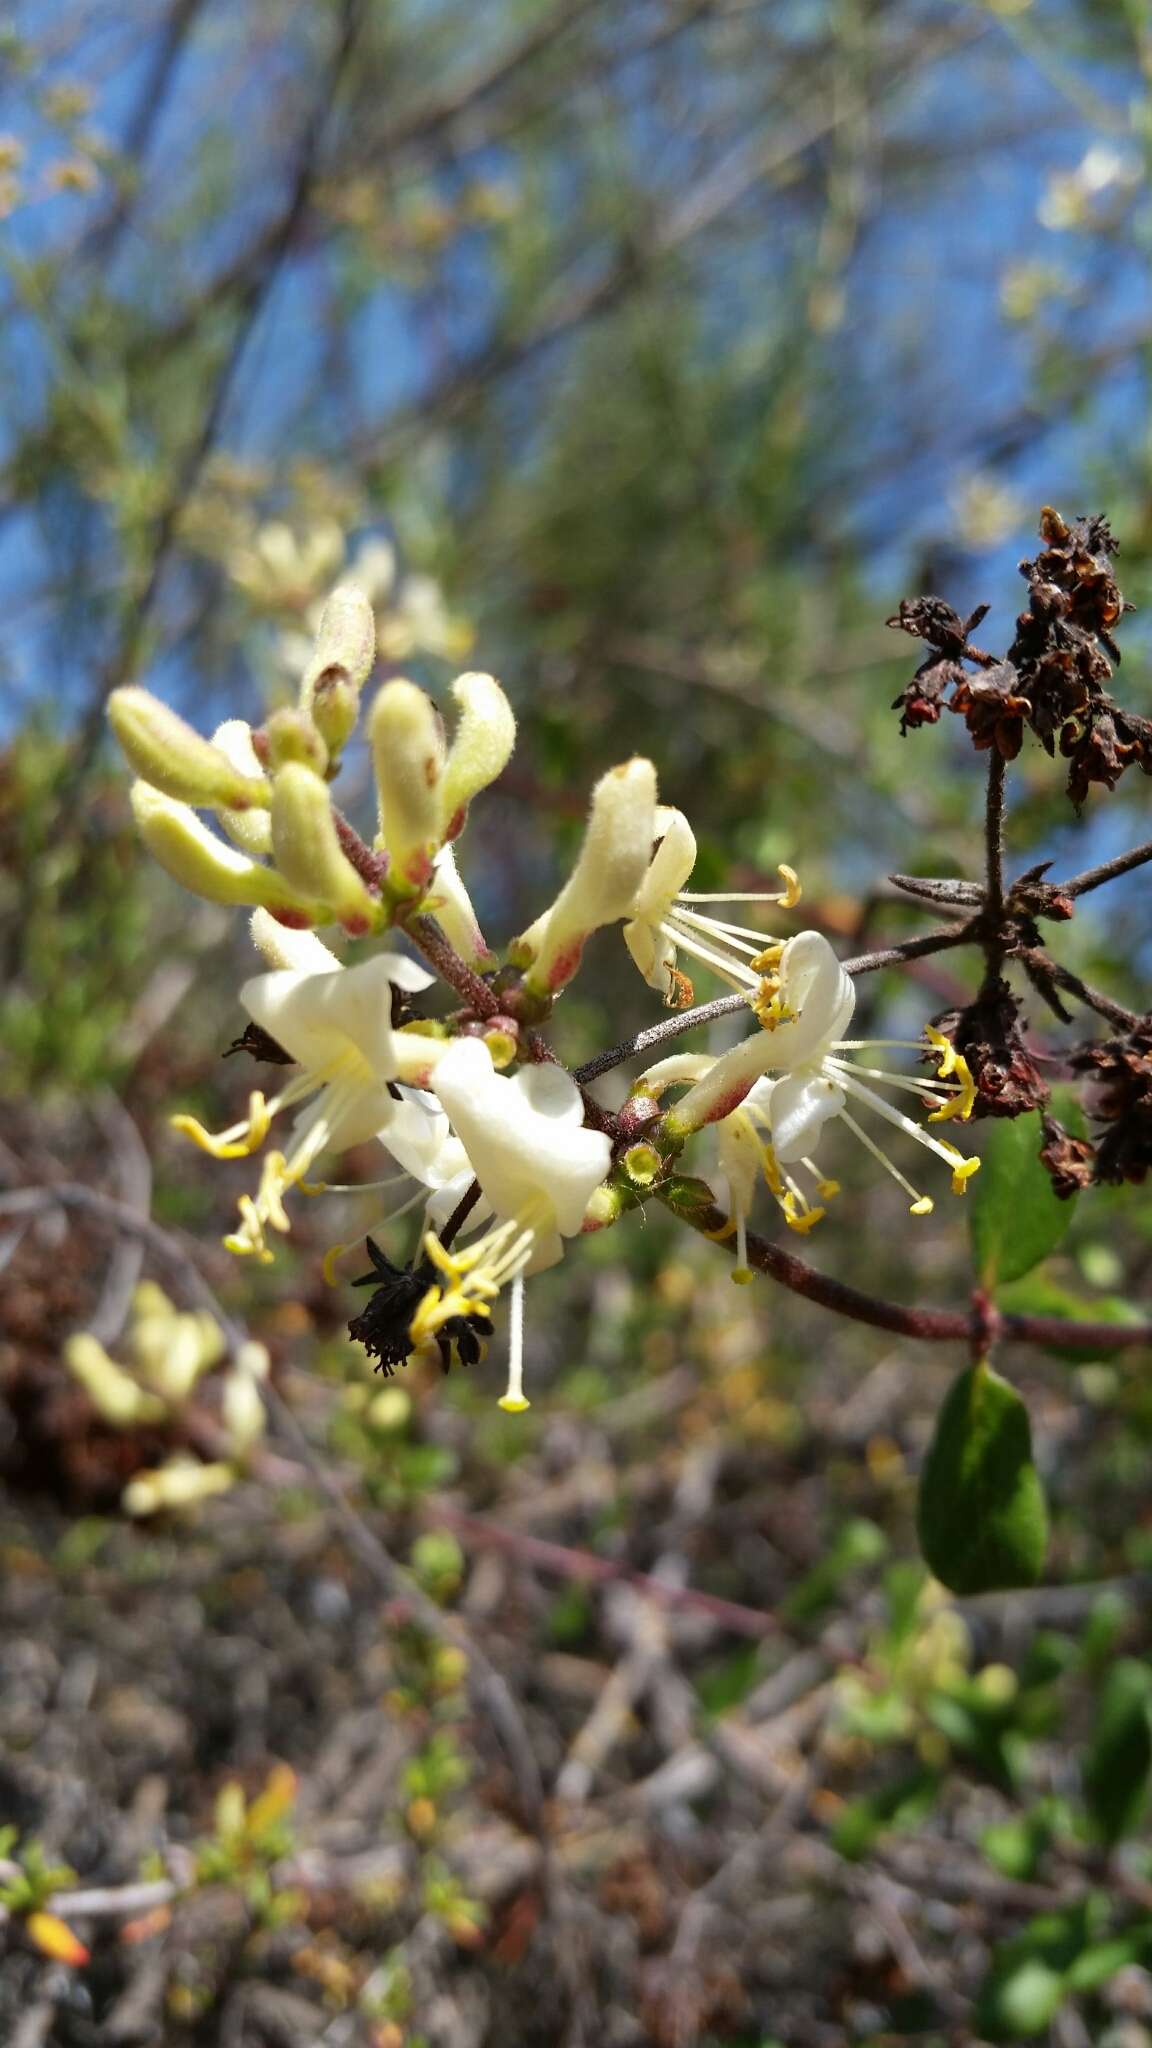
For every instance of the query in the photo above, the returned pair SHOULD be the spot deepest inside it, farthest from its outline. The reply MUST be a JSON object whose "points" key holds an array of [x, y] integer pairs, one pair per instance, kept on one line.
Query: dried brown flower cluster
{"points": [[1053, 678], [1119, 1071]]}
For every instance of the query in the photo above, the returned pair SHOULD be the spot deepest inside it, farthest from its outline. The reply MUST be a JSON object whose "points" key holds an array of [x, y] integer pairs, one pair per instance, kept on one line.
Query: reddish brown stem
{"points": [[926, 1325], [371, 867], [583, 1566]]}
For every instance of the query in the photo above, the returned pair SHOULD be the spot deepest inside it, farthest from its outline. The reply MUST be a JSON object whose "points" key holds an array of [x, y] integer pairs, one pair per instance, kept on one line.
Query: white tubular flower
{"points": [[335, 1023], [250, 830], [772, 1094], [603, 885], [192, 854], [537, 1166], [481, 746], [663, 923]]}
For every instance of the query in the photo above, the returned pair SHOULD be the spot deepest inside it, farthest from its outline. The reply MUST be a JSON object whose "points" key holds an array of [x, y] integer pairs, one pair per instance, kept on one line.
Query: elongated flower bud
{"points": [[408, 752], [179, 1484], [613, 861], [112, 1391], [251, 830], [340, 666], [481, 746], [308, 852], [193, 856], [241, 1407], [175, 759]]}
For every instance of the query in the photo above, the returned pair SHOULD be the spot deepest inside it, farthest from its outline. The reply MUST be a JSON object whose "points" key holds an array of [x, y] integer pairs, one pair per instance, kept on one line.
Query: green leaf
{"points": [[1015, 1218], [1021, 2001], [982, 1520], [1119, 1760]]}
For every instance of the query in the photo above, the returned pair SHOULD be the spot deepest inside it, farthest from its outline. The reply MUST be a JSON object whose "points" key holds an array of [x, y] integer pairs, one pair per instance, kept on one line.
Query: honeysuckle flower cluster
{"points": [[479, 1126], [153, 1391]]}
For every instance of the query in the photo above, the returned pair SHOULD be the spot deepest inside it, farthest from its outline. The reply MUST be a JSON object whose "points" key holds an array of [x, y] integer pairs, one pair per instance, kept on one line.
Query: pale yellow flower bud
{"points": [[307, 850], [175, 759], [112, 1391], [408, 753], [242, 1409], [181, 1483], [193, 856], [481, 746], [250, 830], [602, 887], [291, 736], [340, 666]]}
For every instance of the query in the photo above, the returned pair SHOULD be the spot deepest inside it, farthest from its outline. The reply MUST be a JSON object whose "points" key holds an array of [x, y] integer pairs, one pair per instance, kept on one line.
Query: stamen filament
{"points": [[870, 1145]]}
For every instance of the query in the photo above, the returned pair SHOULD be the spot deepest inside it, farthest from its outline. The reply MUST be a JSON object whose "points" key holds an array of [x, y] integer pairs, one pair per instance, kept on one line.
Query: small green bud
{"points": [[408, 753], [643, 1165], [308, 853], [167, 753]]}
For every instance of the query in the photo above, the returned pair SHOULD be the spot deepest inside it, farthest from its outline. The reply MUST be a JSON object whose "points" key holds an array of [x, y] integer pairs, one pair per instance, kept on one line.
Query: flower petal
{"points": [[801, 1106]]}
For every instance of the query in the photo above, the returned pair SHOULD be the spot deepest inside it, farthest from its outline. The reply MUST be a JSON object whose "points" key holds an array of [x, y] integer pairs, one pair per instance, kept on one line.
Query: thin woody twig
{"points": [[1108, 871], [586, 1567], [1092, 998], [726, 1006]]}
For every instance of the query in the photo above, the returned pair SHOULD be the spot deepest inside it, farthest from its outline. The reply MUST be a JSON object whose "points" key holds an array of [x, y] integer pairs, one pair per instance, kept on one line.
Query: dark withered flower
{"points": [[1120, 1098], [384, 1325], [1069, 1162]]}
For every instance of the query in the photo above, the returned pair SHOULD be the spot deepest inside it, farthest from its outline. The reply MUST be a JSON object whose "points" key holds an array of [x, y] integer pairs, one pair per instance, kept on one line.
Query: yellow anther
{"points": [[274, 1178], [943, 1049], [923, 1207], [767, 961], [802, 1221], [248, 1241], [964, 1101], [826, 1189], [962, 1169], [792, 889], [771, 1172], [769, 1006], [328, 1262], [251, 1135], [726, 1230]]}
